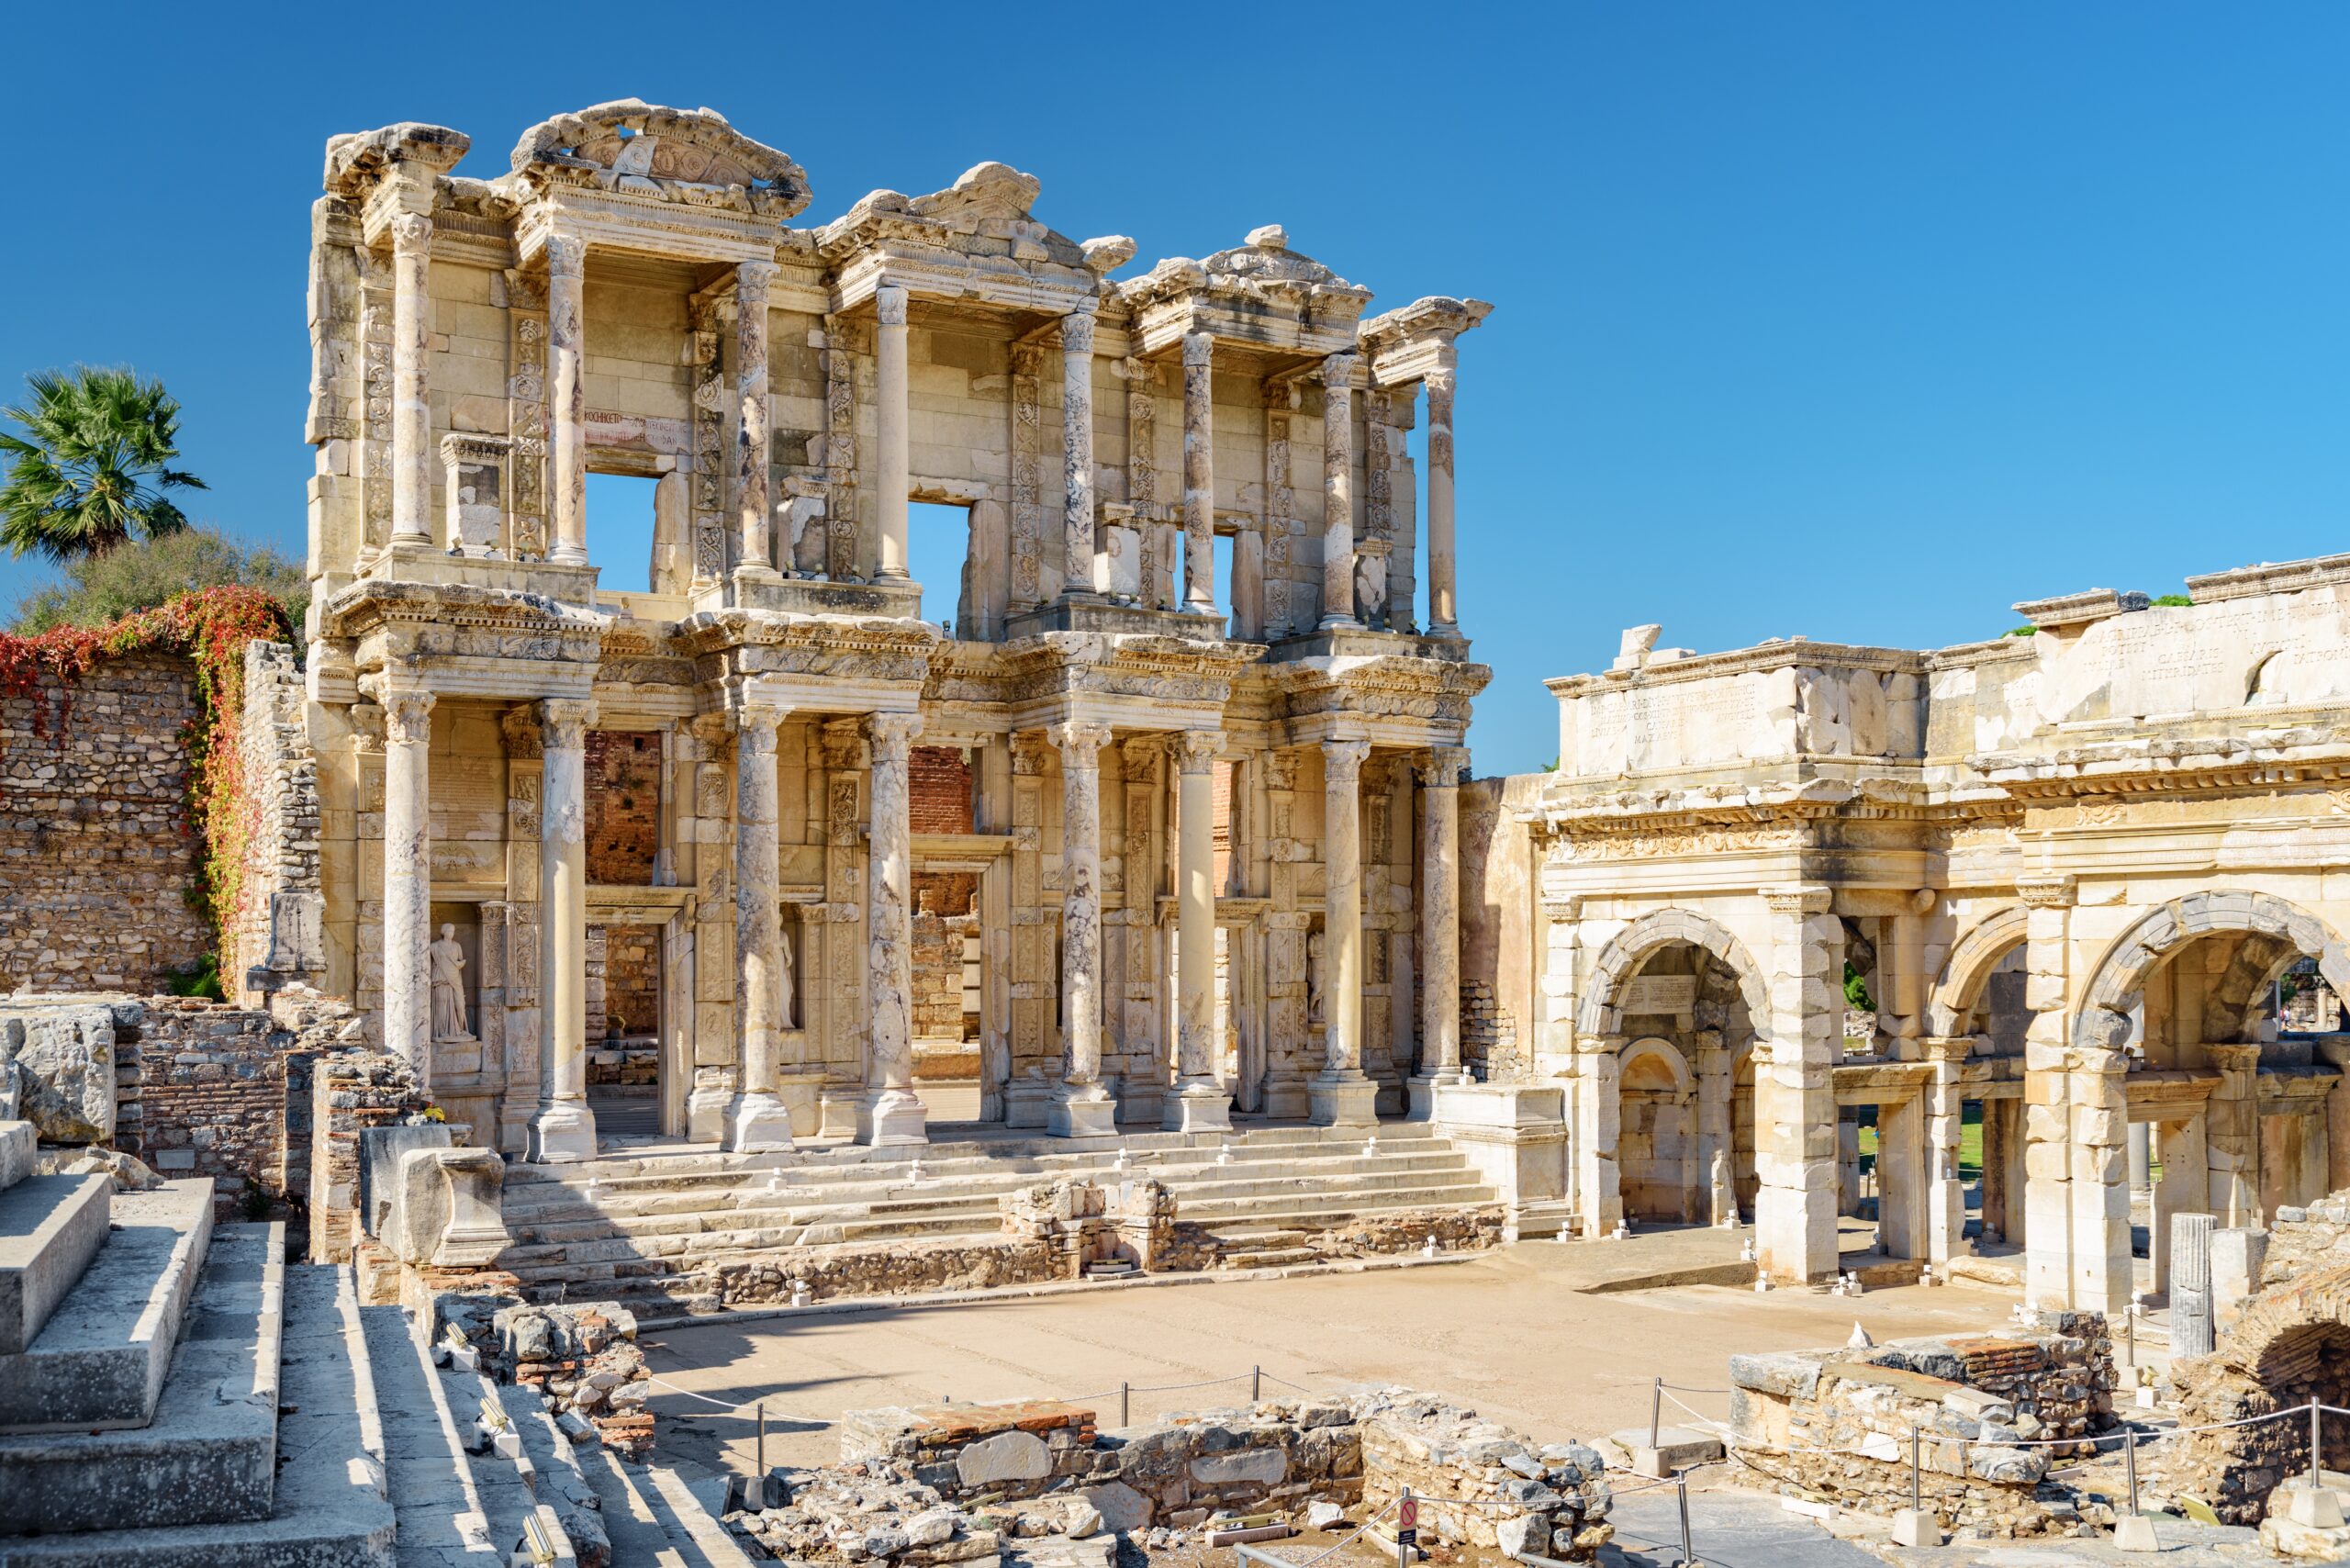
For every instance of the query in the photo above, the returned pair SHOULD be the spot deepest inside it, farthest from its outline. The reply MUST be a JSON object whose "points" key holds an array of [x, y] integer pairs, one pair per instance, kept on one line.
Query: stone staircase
{"points": [[173, 1395], [649, 1231]]}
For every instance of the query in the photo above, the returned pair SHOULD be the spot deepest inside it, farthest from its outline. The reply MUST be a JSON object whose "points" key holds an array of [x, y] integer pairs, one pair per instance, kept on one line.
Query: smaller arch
{"points": [[1601, 1013], [1968, 969], [1651, 1047], [2151, 941]]}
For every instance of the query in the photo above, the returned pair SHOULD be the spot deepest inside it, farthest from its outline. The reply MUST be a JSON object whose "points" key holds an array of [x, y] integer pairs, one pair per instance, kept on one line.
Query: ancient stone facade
{"points": [[2066, 866], [94, 829], [629, 295]]}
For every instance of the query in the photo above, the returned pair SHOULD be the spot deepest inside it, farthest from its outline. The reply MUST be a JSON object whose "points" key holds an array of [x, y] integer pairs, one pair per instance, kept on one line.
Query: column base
{"points": [[759, 1123], [706, 1114], [565, 1134], [1342, 1099], [1421, 1092], [1201, 1107], [892, 1116], [1085, 1111], [1338, 623]]}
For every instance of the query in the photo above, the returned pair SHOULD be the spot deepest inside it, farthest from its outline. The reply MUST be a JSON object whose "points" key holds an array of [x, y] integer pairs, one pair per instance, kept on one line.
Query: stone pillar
{"points": [[1338, 491], [754, 429], [894, 1113], [1444, 615], [1083, 1108], [2232, 1130], [1199, 473], [567, 399], [758, 1121], [1794, 1114], [411, 415], [1599, 1101], [2185, 1188], [1439, 973], [894, 427], [565, 1130], [1340, 1094], [2190, 1286], [1201, 1102], [1077, 457], [1945, 1194], [408, 880]]}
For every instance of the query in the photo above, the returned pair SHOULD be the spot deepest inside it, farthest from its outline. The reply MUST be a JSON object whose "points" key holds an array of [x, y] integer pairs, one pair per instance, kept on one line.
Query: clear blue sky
{"points": [[1854, 320]]}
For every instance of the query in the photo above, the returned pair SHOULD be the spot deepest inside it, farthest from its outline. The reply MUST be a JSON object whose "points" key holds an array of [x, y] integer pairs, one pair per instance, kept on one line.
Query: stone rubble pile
{"points": [[2305, 1239], [963, 1484], [582, 1359]]}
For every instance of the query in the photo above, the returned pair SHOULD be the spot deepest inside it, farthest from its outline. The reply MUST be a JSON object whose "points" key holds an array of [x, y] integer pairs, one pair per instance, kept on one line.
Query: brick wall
{"points": [[623, 806], [97, 861], [940, 790]]}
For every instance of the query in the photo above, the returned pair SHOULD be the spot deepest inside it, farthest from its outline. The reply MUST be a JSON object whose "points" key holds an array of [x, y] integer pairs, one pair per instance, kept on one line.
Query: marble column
{"points": [[567, 399], [1083, 1107], [1201, 1102], [1795, 1110], [411, 415], [1077, 457], [755, 430], [894, 422], [1439, 971], [758, 1121], [1444, 615], [1338, 491], [408, 880], [565, 1130], [1341, 1096], [1199, 473], [894, 1113]]}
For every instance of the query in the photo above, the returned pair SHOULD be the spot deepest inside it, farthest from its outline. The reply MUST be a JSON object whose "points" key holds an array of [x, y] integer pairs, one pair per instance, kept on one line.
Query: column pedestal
{"points": [[1082, 1111], [1342, 1098], [1421, 1089]]}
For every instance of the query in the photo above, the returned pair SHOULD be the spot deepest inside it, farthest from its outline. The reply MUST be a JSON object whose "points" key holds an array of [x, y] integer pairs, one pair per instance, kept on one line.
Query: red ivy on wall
{"points": [[211, 627]]}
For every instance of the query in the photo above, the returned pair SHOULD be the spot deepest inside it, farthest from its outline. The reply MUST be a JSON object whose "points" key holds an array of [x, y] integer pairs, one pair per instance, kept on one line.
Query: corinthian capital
{"points": [[1440, 767], [407, 717], [1195, 750], [1342, 760], [1077, 332], [890, 304], [891, 735], [411, 231], [1080, 742], [563, 723], [567, 254]]}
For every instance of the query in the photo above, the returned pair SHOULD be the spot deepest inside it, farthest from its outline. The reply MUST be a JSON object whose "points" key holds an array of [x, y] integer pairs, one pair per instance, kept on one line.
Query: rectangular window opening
{"points": [[938, 541], [1227, 546], [620, 530]]}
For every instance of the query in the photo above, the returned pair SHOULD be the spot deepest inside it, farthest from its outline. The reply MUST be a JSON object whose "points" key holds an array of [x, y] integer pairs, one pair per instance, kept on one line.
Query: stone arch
{"points": [[1601, 1016], [1685, 1082], [2138, 952], [1968, 969], [2291, 1343]]}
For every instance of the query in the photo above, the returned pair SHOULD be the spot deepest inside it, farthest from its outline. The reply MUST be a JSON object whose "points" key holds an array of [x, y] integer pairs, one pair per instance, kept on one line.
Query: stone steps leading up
{"points": [[329, 1506], [51, 1226], [208, 1456]]}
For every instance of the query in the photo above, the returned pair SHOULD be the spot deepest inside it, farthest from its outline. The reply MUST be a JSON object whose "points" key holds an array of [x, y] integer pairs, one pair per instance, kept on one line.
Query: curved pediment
{"points": [[691, 155]]}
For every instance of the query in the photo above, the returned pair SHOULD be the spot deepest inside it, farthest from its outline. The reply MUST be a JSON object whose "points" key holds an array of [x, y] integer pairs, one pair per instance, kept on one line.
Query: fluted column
{"points": [[411, 416], [1083, 1108], [1199, 473], [1340, 1094], [756, 429], [1444, 614], [567, 399], [1338, 491], [1440, 968], [565, 1130], [894, 1113], [408, 880], [894, 422], [1201, 1102], [1077, 457], [758, 1120]]}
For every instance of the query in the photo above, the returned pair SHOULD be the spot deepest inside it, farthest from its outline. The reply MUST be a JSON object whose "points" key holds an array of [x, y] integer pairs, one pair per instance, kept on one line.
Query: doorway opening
{"points": [[947, 993], [624, 1030], [620, 516]]}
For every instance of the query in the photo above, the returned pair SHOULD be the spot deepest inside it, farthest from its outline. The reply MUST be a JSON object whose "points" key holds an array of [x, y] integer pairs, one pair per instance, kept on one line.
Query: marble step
{"points": [[506, 1483], [101, 1362], [209, 1454], [17, 1152], [51, 1226], [430, 1476], [327, 1509], [563, 1483]]}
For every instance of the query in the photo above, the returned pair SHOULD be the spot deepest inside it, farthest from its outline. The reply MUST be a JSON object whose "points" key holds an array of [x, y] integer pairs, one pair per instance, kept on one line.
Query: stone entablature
{"points": [[630, 298]]}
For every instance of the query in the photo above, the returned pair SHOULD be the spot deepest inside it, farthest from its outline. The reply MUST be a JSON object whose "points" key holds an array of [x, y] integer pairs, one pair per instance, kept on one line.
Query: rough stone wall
{"points": [[277, 924], [351, 1090], [213, 1094], [631, 978], [98, 863], [938, 974], [623, 806], [1837, 1425]]}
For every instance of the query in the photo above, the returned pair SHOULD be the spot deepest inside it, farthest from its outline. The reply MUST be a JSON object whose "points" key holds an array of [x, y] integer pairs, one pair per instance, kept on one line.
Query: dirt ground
{"points": [[1513, 1334]]}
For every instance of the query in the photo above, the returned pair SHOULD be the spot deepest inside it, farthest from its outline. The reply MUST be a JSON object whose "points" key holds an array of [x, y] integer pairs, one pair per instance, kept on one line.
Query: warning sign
{"points": [[1407, 1513]]}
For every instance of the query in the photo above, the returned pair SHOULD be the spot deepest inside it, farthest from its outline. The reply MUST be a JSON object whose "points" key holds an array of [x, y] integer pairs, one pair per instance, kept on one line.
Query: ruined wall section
{"points": [[278, 934], [101, 862]]}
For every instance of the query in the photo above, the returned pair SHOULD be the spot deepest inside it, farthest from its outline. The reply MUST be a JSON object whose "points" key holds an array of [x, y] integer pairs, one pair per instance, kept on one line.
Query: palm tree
{"points": [[89, 472]]}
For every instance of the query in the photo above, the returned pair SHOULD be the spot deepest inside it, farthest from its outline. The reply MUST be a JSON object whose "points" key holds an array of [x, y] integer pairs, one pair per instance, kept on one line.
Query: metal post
{"points": [[1125, 1412], [2130, 1336], [1688, 1556], [760, 1410], [2314, 1409], [1256, 1385], [2130, 1464], [1656, 1411], [1402, 1547], [1916, 1485]]}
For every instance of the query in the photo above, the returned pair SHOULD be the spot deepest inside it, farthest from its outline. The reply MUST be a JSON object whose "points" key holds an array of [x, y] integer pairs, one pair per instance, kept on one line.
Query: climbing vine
{"points": [[211, 627]]}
